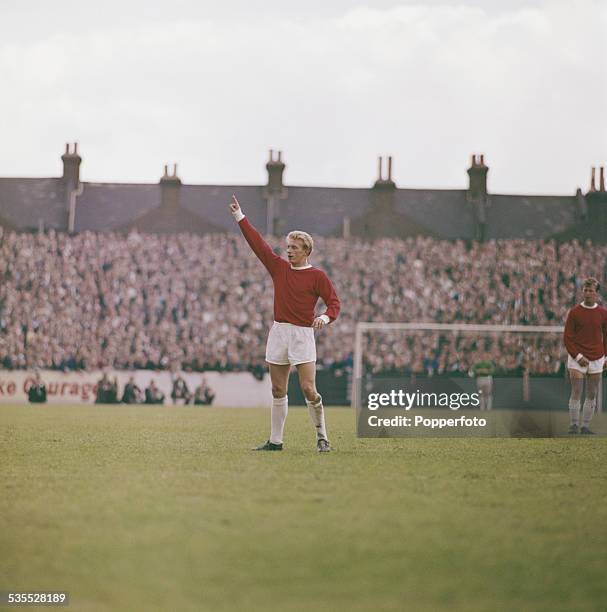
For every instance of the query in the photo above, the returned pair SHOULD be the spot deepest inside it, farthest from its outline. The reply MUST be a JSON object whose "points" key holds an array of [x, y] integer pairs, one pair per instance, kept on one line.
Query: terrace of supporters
{"points": [[149, 301]]}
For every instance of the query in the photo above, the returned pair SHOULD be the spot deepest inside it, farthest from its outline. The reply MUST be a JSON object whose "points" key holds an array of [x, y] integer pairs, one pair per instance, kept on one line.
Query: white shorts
{"points": [[290, 344], [594, 367]]}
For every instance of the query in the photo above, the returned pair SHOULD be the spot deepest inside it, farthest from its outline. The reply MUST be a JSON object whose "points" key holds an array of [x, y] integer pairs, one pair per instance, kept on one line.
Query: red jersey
{"points": [[586, 332], [295, 291]]}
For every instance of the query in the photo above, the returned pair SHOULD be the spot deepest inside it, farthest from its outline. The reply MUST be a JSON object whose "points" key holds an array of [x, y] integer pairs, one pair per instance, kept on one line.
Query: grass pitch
{"points": [[162, 508]]}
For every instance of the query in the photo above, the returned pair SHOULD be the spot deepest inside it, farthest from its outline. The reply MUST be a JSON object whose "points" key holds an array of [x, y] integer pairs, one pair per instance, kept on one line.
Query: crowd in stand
{"points": [[92, 301]]}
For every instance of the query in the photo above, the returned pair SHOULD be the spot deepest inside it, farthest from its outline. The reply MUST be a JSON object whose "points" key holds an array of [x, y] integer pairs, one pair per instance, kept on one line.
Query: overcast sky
{"points": [[332, 83]]}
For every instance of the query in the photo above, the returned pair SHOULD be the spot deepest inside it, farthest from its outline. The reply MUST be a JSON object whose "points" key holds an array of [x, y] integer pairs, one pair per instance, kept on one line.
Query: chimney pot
{"points": [[379, 178], [67, 148], [75, 148], [271, 155], [482, 159], [602, 179], [174, 169], [390, 168], [279, 156], [592, 180]]}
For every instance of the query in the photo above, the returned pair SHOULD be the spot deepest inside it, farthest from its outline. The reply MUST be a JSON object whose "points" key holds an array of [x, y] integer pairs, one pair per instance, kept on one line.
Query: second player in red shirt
{"points": [[586, 343]]}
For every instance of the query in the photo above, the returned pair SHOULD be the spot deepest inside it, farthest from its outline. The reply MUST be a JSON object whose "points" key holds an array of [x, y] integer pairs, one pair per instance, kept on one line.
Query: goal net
{"points": [[509, 370]]}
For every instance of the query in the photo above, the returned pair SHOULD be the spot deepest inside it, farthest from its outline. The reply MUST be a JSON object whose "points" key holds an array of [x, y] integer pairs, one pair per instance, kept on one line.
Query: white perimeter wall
{"points": [[237, 389]]}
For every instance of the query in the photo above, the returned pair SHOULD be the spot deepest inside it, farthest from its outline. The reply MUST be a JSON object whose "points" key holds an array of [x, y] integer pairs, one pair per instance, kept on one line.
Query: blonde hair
{"points": [[591, 282], [307, 240]]}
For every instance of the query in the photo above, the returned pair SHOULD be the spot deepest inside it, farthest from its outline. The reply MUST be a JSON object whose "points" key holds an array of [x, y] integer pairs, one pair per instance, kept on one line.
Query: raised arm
{"points": [[258, 245]]}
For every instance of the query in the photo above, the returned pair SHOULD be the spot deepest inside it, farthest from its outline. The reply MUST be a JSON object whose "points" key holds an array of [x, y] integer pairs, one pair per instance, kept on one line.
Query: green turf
{"points": [[161, 508]]}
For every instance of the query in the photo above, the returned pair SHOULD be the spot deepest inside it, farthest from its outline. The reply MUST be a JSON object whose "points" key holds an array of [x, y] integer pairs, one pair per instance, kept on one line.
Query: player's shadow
{"points": [[529, 425]]}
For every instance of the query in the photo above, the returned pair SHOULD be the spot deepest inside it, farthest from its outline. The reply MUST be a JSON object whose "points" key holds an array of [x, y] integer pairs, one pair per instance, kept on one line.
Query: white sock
{"points": [[574, 412], [317, 415], [588, 412], [280, 407]]}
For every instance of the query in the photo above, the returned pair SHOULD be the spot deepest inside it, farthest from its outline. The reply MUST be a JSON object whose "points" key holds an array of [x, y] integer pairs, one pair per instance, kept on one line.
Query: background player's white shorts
{"points": [[290, 344], [593, 367]]}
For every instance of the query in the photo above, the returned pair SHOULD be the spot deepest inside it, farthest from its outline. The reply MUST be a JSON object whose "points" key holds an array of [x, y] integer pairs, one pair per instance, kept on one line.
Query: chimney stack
{"points": [[71, 166], [477, 173], [274, 193], [382, 198], [477, 194], [275, 168], [170, 186]]}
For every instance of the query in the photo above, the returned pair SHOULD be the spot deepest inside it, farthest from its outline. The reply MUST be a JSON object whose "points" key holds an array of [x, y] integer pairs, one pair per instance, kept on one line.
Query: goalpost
{"points": [[454, 328]]}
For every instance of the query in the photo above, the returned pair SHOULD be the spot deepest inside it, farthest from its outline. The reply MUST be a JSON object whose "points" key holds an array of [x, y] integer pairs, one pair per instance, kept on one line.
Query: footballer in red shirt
{"points": [[297, 287], [586, 343]]}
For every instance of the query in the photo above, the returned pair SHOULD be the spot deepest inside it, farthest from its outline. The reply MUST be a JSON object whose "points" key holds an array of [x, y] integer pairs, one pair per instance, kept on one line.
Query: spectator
{"points": [[203, 395], [37, 391], [132, 393], [153, 395], [180, 391], [107, 391]]}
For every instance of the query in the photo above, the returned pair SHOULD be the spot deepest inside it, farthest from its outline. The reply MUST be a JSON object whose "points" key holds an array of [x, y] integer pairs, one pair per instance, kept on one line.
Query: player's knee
{"points": [[278, 391], [309, 391], [577, 387]]}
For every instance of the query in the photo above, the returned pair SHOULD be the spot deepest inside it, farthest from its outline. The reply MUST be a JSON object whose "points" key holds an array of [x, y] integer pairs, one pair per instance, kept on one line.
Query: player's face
{"points": [[296, 253], [590, 296]]}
